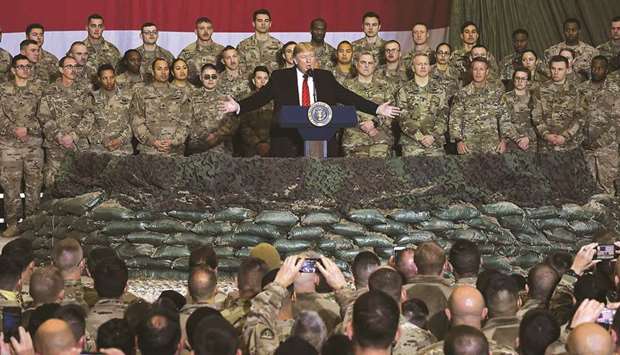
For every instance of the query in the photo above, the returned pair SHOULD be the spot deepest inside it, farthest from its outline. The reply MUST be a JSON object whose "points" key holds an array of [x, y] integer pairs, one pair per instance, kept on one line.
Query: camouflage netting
{"points": [[154, 210]]}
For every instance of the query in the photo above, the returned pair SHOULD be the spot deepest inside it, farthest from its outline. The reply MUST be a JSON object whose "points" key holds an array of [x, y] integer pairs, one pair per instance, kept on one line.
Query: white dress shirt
{"points": [[300, 84]]}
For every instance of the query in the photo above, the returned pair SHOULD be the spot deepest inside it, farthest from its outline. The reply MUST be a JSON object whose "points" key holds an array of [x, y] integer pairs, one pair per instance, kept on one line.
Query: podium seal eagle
{"points": [[320, 114]]}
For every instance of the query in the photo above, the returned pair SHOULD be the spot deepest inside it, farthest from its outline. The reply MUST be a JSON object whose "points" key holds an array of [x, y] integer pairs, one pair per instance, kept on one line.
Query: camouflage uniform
{"points": [[560, 110], [129, 80], [104, 310], [255, 128], [325, 55], [494, 349], [376, 48], [396, 77], [466, 281], [503, 330], [253, 53], [358, 143], [424, 112], [86, 76], [602, 132], [434, 290], [111, 111], [478, 118], [19, 160], [64, 111], [47, 67], [187, 311], [101, 53], [207, 118], [148, 57], [507, 65], [238, 87], [160, 113], [408, 58], [323, 304], [519, 109], [236, 310], [74, 293], [342, 77], [263, 332], [561, 303], [196, 56], [529, 305], [583, 54], [5, 65], [459, 59]]}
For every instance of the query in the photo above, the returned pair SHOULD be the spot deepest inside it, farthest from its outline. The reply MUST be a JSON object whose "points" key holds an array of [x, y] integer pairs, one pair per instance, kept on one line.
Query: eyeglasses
{"points": [[148, 33], [209, 77], [24, 67]]}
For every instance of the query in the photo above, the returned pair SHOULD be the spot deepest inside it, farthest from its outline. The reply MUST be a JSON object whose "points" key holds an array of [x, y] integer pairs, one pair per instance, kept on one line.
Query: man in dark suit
{"points": [[302, 85]]}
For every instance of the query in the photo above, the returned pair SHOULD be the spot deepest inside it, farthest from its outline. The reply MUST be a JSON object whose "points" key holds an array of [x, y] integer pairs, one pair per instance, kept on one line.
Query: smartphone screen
{"points": [[11, 320], [606, 252], [606, 317], [309, 266]]}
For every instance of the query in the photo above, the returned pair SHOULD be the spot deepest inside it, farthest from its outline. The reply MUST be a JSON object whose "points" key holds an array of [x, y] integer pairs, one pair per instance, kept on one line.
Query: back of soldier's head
{"points": [[67, 254], [250, 275], [589, 338], [75, 316], [177, 300], [310, 327], [416, 312], [363, 265], [116, 334], [541, 281], [136, 312], [560, 261], [337, 344], [54, 337], [388, 281], [204, 255], [19, 250], [466, 303], [214, 335], [430, 259], [538, 329], [202, 283], [40, 315], [465, 340], [375, 320], [96, 255], [405, 263], [159, 334], [196, 318], [502, 296], [46, 285], [465, 258], [10, 273], [588, 287], [110, 278]]}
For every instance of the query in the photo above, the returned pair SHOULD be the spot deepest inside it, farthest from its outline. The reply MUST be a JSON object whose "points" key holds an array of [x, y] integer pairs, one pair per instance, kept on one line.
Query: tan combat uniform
{"points": [[196, 56], [111, 111], [253, 53]]}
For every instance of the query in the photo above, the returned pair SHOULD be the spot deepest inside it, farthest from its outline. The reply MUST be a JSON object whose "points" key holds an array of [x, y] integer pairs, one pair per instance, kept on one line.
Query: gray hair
{"points": [[310, 327]]}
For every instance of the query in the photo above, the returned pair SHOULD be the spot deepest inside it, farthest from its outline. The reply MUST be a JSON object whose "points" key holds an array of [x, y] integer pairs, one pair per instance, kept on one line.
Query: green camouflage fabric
{"points": [[502, 330], [235, 310], [111, 111], [86, 76], [602, 131], [129, 80], [478, 118], [20, 160], [263, 332], [424, 111], [397, 77], [609, 49], [196, 56], [159, 113], [236, 86], [519, 109], [358, 143], [529, 304], [448, 78], [255, 128], [412, 338], [102, 53], [559, 110], [459, 59], [74, 293], [5, 65], [408, 58], [538, 76], [148, 57], [561, 303], [507, 65], [253, 53], [324, 304], [104, 310], [47, 66], [376, 48], [325, 55], [340, 76], [583, 54], [207, 118], [494, 349], [187, 311]]}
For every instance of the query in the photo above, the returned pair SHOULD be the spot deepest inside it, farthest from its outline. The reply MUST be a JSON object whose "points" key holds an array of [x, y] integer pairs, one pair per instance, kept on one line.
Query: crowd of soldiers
{"points": [[457, 101]]}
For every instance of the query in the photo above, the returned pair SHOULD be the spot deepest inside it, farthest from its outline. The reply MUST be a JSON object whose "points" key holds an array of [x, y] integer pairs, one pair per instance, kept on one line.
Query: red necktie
{"points": [[305, 92]]}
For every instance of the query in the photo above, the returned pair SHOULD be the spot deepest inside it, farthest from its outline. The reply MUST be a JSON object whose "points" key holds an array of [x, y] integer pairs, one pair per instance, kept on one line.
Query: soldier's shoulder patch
{"points": [[267, 334]]}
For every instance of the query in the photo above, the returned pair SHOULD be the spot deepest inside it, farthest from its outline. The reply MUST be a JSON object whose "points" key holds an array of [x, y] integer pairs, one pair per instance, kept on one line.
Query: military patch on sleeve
{"points": [[267, 334]]}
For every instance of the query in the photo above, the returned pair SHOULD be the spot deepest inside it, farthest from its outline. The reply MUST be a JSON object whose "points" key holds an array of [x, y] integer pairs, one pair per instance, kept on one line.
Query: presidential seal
{"points": [[320, 114]]}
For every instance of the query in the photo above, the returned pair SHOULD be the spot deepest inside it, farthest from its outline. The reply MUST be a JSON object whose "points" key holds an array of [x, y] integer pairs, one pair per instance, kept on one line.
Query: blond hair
{"points": [[303, 47]]}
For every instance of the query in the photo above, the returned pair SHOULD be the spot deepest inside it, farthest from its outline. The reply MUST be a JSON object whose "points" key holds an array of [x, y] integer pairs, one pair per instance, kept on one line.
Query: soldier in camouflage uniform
{"points": [[420, 37], [5, 63], [478, 122], [459, 58], [149, 50], [602, 127], [100, 51], [323, 51], [480, 51], [260, 48], [111, 132], [513, 60], [394, 70], [204, 50], [559, 111], [210, 128], [21, 137], [86, 74], [571, 73], [66, 115], [68, 257], [180, 71], [530, 61], [583, 51], [47, 61], [285, 56], [232, 80], [129, 70], [424, 116], [256, 125], [160, 114], [519, 104], [371, 42], [344, 68], [444, 72], [611, 48], [373, 137], [30, 49]]}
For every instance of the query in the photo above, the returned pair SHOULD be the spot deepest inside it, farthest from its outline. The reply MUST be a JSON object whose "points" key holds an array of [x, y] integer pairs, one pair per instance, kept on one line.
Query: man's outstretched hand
{"points": [[228, 105], [387, 110]]}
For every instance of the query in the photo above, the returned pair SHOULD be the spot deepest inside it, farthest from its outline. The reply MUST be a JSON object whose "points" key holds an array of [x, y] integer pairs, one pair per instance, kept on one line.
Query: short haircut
{"points": [[601, 58], [467, 24], [250, 275], [10, 273], [420, 24], [67, 253], [375, 320], [204, 255], [572, 20], [310, 327], [46, 283], [558, 59], [20, 249], [538, 330], [529, 50], [443, 44], [615, 19], [25, 43], [96, 255], [158, 59], [501, 295], [522, 69], [160, 333], [589, 286], [371, 14], [214, 335], [177, 299], [480, 46], [337, 344], [203, 19], [464, 257], [136, 312], [390, 42], [117, 334], [261, 12], [75, 316], [110, 278], [465, 340], [195, 318], [387, 280], [203, 68], [94, 17], [520, 31], [560, 261], [318, 19], [479, 60], [147, 24], [34, 26], [202, 283], [416, 312], [541, 281], [260, 68], [363, 265], [40, 314], [14, 61], [104, 67], [430, 258]]}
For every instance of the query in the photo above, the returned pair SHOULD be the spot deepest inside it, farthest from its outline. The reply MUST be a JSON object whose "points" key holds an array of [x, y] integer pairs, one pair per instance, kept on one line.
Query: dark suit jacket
{"points": [[282, 89]]}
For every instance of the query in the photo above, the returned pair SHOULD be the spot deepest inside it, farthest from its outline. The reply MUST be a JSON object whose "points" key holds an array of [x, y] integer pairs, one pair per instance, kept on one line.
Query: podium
{"points": [[316, 137]]}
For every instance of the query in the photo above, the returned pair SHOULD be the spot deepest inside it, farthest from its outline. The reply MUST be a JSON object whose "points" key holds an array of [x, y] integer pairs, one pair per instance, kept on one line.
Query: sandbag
{"points": [[542, 212], [486, 223], [129, 250], [190, 239], [342, 265], [532, 239], [277, 218], [225, 240], [262, 230], [144, 262], [224, 252], [518, 224], [472, 235], [229, 264], [527, 260], [212, 228], [444, 244], [234, 214], [585, 227], [78, 205], [42, 243], [86, 225], [499, 263], [243, 252], [409, 216], [152, 238], [373, 240], [505, 237], [286, 246], [458, 212], [367, 217], [347, 255], [436, 225], [247, 240], [415, 237], [572, 211], [319, 219], [501, 209], [165, 226], [112, 210], [507, 250], [306, 233], [170, 252], [191, 216], [384, 253], [333, 242], [487, 249], [392, 228], [123, 227], [180, 264], [348, 229], [561, 235], [551, 223], [147, 215]]}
